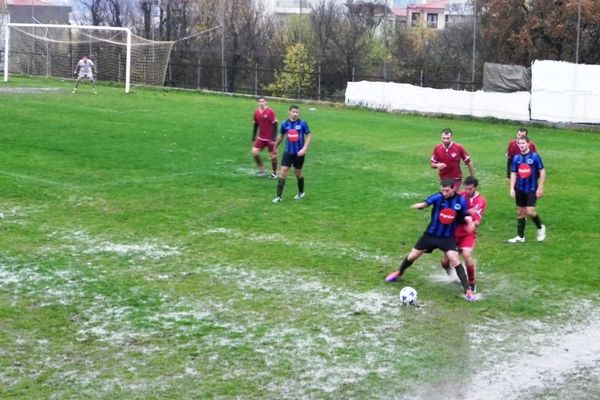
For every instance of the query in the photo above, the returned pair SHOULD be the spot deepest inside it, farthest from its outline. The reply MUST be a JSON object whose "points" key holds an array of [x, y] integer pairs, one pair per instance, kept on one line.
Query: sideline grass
{"points": [[141, 258]]}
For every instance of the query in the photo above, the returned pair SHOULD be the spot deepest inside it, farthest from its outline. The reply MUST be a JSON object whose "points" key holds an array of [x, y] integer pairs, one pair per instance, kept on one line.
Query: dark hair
{"points": [[447, 130], [523, 130], [259, 98], [525, 138], [293, 106], [447, 182], [471, 180]]}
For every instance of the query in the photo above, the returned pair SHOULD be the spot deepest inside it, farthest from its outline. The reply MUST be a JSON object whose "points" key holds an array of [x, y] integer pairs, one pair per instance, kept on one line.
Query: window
{"points": [[414, 19], [432, 20]]}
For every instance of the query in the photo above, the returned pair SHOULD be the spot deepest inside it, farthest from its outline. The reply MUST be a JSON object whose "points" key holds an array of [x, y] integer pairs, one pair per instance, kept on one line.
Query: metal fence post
{"points": [[319, 84], [256, 79]]}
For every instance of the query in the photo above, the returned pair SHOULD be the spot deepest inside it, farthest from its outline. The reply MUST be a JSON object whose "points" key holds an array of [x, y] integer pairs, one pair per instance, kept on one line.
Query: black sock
{"points": [[405, 264], [301, 184], [274, 165], [460, 272], [537, 221], [280, 185], [521, 226]]}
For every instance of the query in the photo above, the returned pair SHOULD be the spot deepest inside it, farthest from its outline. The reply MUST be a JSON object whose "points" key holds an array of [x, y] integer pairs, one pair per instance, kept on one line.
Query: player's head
{"points": [[446, 136], [470, 185], [523, 143], [84, 59], [294, 112], [447, 187], [262, 102], [521, 132]]}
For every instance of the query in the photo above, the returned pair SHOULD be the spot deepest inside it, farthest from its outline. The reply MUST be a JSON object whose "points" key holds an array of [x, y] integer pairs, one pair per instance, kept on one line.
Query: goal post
{"points": [[53, 51]]}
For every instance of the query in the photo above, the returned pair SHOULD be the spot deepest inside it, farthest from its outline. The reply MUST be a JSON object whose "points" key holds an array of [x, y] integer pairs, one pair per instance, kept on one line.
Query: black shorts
{"points": [[289, 159], [524, 199], [429, 243]]}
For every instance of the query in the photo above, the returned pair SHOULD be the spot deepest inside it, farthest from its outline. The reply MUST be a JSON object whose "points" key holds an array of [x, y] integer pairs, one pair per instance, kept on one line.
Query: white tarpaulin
{"points": [[565, 92], [403, 97]]}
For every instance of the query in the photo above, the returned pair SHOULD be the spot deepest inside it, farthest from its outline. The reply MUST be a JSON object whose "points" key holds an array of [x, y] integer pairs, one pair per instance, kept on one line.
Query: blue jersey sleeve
{"points": [[306, 128], [515, 164], [433, 198], [538, 161]]}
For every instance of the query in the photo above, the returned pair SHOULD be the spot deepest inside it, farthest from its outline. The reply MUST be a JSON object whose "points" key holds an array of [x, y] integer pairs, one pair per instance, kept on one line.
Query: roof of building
{"points": [[39, 3], [430, 5]]}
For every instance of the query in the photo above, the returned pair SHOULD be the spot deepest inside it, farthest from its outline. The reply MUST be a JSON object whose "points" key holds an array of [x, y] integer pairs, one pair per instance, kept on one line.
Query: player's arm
{"points": [[280, 138], [304, 148], [421, 205], [435, 164], [471, 168], [76, 69], [540, 190], [254, 131], [274, 130], [513, 182]]}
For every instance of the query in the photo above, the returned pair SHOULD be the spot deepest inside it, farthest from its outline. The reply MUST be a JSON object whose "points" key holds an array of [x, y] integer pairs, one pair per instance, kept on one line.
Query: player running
{"points": [[265, 122], [85, 68], [448, 209], [466, 239], [446, 158]]}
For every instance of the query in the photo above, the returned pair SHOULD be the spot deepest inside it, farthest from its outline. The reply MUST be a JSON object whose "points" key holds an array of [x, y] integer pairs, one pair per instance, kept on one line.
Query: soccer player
{"points": [[446, 159], [513, 149], [298, 138], [86, 69], [527, 180], [265, 122], [448, 209], [465, 239]]}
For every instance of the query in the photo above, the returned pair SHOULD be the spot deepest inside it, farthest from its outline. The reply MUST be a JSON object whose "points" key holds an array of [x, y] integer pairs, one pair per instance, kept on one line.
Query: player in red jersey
{"points": [[465, 238], [513, 149], [265, 122], [446, 159]]}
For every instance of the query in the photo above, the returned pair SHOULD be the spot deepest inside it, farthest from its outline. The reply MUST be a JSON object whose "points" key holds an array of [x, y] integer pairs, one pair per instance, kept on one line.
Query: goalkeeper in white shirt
{"points": [[85, 68]]}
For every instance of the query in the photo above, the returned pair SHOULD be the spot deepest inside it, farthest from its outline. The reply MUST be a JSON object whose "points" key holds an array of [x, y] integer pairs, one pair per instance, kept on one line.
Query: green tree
{"points": [[296, 79]]}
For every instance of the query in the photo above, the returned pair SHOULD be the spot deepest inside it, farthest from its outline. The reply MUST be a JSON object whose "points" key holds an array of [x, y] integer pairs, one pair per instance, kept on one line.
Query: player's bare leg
{"points": [[407, 262], [258, 160]]}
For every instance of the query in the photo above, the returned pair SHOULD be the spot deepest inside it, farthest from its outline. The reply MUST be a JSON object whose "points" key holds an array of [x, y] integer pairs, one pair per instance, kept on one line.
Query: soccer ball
{"points": [[408, 296]]}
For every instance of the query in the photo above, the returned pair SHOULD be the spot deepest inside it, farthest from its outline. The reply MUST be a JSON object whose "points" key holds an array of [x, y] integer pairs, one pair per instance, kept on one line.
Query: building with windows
{"points": [[436, 14], [36, 11]]}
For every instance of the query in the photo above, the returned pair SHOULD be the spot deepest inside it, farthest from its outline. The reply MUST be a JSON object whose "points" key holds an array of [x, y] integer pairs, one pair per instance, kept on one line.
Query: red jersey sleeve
{"points": [[464, 154], [478, 206], [532, 147]]}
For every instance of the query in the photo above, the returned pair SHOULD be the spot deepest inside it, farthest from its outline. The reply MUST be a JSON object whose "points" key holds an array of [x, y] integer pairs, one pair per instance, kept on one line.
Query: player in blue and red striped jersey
{"points": [[513, 149], [527, 180], [448, 209], [265, 122], [298, 138]]}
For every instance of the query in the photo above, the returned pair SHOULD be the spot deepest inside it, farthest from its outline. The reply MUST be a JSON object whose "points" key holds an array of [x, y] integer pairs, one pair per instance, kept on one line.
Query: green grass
{"points": [[141, 258]]}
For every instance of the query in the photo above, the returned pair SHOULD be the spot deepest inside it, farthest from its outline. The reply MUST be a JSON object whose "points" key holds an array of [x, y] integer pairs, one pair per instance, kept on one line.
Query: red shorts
{"points": [[465, 240], [261, 144]]}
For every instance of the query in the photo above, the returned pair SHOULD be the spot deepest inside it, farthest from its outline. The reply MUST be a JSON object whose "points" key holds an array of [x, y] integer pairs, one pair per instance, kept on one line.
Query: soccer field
{"points": [[141, 258]]}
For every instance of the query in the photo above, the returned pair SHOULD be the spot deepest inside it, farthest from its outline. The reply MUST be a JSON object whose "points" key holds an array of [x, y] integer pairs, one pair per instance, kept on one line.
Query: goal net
{"points": [[54, 50]]}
